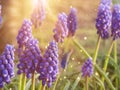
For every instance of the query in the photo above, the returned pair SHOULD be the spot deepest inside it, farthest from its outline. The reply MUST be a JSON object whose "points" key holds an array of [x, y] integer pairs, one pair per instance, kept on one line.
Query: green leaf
{"points": [[67, 85], [80, 47], [28, 84], [40, 85], [115, 65], [105, 76], [116, 2], [76, 82], [100, 81], [5, 88]]}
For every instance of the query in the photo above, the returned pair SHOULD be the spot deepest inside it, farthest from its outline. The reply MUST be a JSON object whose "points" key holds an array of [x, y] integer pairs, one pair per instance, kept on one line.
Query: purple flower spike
{"points": [[64, 61], [72, 22], [30, 58], [103, 21], [87, 68], [6, 65], [25, 33], [38, 14], [48, 68], [61, 29], [107, 2], [116, 22]]}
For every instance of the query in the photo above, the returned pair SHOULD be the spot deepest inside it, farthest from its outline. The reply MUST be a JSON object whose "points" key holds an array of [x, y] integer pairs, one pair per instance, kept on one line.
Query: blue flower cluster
{"points": [[48, 68], [116, 22], [87, 68], [61, 29], [7, 65], [38, 13], [72, 22], [30, 58], [64, 61], [24, 33], [103, 21]]}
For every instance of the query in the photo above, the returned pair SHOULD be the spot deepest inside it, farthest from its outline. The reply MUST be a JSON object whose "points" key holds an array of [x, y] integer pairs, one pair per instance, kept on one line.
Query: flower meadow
{"points": [[64, 63]]}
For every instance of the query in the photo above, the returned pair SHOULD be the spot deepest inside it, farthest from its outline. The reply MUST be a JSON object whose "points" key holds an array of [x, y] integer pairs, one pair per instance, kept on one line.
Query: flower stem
{"points": [[23, 81], [115, 58], [106, 60], [40, 85], [96, 49], [96, 54], [81, 48], [56, 82], [20, 82], [107, 57], [86, 84], [33, 81], [43, 87]]}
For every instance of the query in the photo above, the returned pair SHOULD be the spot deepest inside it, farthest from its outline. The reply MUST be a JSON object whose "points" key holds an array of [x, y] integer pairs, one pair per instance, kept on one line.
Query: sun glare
{"points": [[35, 2]]}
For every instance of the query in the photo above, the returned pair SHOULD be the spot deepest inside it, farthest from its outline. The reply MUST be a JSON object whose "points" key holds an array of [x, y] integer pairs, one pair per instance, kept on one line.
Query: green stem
{"points": [[40, 85], [56, 82], [115, 58], [107, 60], [43, 87], [96, 50], [20, 82], [67, 44], [81, 48], [86, 86], [33, 81], [23, 81], [107, 57], [105, 76]]}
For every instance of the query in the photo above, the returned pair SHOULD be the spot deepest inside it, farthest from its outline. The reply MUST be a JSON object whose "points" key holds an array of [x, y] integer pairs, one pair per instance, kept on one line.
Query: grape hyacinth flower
{"points": [[38, 14], [103, 21], [116, 22], [25, 33], [6, 65], [64, 61], [87, 68], [48, 68], [61, 29], [30, 58], [72, 22]]}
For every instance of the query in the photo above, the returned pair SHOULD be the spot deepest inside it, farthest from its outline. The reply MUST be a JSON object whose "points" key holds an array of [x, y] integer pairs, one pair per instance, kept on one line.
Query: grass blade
{"points": [[76, 82], [77, 44], [105, 76], [67, 85], [100, 81]]}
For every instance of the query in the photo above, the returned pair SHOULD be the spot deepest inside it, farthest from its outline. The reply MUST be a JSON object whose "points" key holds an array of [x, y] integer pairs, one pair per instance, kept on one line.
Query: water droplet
{"points": [[78, 78], [78, 62], [96, 73], [73, 58], [46, 47], [60, 79], [80, 50], [85, 38], [64, 77]]}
